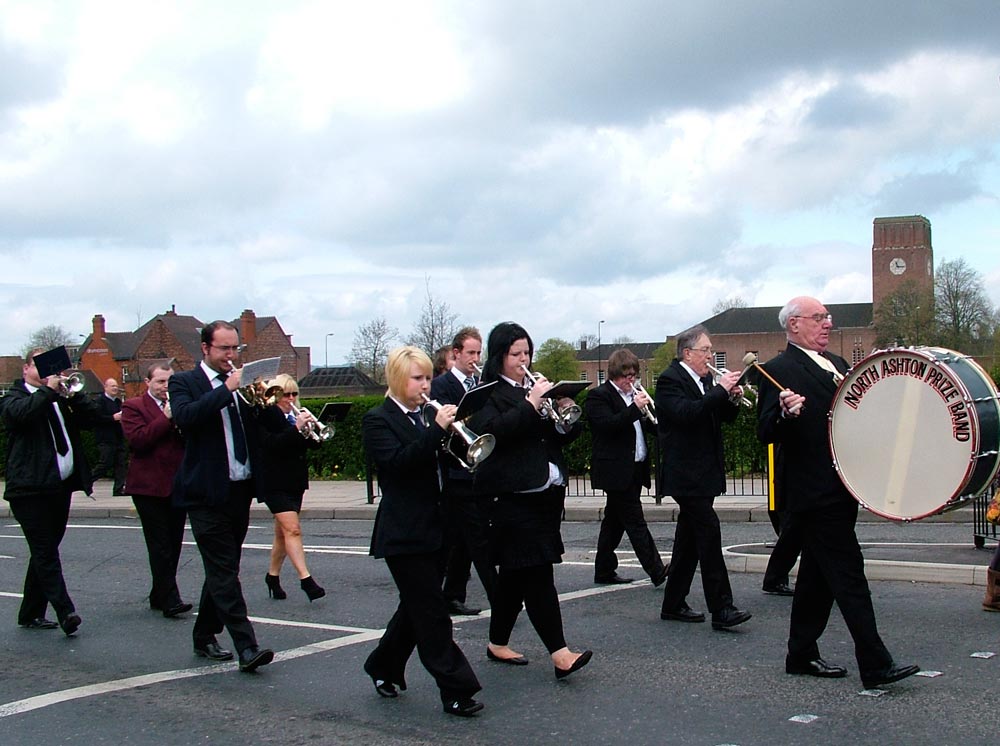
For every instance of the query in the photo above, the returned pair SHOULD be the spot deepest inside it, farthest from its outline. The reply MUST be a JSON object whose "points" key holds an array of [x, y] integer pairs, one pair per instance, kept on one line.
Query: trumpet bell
{"points": [[479, 450]]}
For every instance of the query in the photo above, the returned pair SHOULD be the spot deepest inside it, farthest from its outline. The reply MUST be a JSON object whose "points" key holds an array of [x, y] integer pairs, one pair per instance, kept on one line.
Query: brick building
{"points": [[170, 336]]}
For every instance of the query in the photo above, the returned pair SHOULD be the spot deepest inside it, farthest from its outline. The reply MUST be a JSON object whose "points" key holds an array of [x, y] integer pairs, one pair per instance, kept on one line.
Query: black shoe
{"points": [[887, 675], [457, 608], [464, 707], [274, 589], [683, 613], [728, 617], [213, 651], [40, 623], [583, 660], [176, 609], [779, 589], [253, 657], [816, 667], [660, 579], [70, 623], [518, 661], [312, 589], [612, 579]]}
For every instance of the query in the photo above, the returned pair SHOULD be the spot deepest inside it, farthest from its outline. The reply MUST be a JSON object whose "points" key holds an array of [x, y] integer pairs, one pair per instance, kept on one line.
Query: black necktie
{"points": [[416, 419], [57, 431], [239, 438], [706, 382]]}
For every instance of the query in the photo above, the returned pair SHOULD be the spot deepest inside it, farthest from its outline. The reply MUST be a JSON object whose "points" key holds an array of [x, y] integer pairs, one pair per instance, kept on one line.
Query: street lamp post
{"points": [[599, 357], [327, 346]]}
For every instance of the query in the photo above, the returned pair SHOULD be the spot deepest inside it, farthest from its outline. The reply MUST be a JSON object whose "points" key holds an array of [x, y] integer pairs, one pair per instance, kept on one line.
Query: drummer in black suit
{"points": [[408, 535], [466, 516], [832, 566], [526, 473]]}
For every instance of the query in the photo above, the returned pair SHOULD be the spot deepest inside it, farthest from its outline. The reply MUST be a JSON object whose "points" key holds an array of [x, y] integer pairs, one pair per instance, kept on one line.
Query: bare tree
{"points": [[370, 349], [622, 341], [724, 304], [587, 340], [46, 338], [963, 312], [437, 324]]}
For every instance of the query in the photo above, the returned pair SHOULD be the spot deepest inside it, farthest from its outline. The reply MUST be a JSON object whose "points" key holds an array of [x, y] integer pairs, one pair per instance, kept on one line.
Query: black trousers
{"points": [[623, 515], [43, 519], [534, 587], [832, 569], [467, 538], [697, 540], [421, 621], [112, 460], [163, 529], [786, 550], [219, 532]]}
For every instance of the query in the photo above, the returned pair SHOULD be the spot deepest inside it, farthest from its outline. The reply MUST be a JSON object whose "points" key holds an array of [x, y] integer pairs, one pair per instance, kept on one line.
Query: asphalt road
{"points": [[129, 676]]}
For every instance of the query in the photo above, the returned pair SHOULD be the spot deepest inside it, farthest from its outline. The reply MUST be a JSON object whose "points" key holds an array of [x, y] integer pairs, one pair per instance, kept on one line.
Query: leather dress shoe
{"points": [[612, 579], [70, 623], [887, 675], [385, 688], [457, 608], [728, 617], [40, 623], [253, 657], [583, 660], [464, 707], [213, 651], [816, 667], [779, 589], [518, 661], [175, 609], [683, 613], [660, 579]]}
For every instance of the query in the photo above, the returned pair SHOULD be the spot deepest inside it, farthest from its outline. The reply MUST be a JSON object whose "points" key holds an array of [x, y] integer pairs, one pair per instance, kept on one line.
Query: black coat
{"points": [[284, 469], [804, 463], [447, 389], [612, 427], [408, 520], [31, 452], [107, 430], [690, 429]]}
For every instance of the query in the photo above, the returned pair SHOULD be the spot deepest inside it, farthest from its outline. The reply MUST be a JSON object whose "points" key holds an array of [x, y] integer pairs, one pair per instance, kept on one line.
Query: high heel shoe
{"points": [[312, 588], [274, 589]]}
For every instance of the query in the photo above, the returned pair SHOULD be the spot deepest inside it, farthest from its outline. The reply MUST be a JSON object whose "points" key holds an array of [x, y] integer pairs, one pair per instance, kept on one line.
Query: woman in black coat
{"points": [[408, 534], [283, 480], [527, 475]]}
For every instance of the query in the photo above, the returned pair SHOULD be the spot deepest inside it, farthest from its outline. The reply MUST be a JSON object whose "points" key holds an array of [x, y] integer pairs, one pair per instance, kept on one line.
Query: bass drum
{"points": [[915, 431]]}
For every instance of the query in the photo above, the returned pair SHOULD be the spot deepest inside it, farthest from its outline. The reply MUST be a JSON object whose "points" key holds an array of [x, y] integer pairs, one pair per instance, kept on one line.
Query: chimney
{"points": [[98, 327], [172, 311], [248, 327], [583, 345]]}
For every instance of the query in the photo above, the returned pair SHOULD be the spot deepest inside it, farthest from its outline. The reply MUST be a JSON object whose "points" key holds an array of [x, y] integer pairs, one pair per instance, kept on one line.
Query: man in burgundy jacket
{"points": [[157, 450]]}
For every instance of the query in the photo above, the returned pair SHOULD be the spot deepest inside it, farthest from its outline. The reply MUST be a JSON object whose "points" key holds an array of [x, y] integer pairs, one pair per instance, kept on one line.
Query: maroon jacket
{"points": [[157, 448]]}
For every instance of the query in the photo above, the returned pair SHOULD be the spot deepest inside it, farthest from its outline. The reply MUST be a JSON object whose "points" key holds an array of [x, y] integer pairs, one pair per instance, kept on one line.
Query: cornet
{"points": [[477, 447], [72, 384], [318, 431], [737, 398], [567, 416], [649, 411]]}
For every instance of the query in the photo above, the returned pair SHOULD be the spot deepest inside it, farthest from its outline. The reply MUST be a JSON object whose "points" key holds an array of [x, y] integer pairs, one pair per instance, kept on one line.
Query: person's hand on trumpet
{"points": [[728, 382], [233, 379], [445, 416], [791, 403], [640, 399]]}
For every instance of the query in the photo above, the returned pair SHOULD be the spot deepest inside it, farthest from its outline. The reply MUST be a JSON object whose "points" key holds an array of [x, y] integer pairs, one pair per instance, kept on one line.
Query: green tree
{"points": [[556, 360], [906, 317], [662, 358], [963, 312]]}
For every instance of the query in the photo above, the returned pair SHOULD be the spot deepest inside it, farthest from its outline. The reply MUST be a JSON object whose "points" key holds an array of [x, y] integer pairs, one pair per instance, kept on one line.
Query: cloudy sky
{"points": [[554, 163]]}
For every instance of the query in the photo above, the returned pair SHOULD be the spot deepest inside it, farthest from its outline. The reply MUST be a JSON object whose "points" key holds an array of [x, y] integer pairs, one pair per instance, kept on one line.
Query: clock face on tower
{"points": [[897, 266]]}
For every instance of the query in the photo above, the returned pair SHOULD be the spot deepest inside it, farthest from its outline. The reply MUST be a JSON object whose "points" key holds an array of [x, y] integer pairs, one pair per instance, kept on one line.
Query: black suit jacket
{"points": [[525, 443], [284, 469], [612, 428], [690, 429], [203, 478], [408, 520], [447, 389], [804, 464], [107, 430]]}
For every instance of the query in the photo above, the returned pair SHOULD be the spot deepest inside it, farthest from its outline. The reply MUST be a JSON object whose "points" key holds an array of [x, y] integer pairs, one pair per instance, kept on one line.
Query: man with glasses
{"points": [[691, 408], [619, 465], [215, 483], [823, 513]]}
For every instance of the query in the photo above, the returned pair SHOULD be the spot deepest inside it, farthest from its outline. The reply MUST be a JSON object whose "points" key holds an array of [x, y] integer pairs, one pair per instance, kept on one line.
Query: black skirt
{"points": [[283, 503]]}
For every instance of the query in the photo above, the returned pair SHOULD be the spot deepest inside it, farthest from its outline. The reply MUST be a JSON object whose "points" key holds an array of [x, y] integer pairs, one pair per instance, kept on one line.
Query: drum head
{"points": [[903, 434]]}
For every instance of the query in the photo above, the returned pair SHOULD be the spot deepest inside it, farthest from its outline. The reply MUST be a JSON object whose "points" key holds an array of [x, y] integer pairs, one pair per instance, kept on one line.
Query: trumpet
{"points": [[477, 447], [735, 399], [72, 384], [567, 416], [318, 431], [649, 411]]}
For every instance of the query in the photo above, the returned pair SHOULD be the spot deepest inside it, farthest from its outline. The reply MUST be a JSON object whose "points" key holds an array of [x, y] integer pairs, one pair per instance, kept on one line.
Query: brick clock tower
{"points": [[901, 252]]}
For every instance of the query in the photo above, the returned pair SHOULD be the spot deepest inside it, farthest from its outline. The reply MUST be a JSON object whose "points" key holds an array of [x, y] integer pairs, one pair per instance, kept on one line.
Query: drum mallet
{"points": [[751, 360]]}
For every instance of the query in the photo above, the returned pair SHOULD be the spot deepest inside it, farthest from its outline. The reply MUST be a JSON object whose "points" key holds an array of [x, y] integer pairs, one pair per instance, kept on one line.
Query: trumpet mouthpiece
{"points": [[749, 359]]}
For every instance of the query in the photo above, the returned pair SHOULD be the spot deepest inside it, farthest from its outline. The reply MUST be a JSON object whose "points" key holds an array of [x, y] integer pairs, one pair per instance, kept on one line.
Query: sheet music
{"points": [[265, 369]]}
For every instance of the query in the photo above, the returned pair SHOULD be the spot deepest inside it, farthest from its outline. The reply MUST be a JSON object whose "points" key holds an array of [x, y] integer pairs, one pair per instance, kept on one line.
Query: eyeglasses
{"points": [[629, 374], [291, 393], [819, 318], [702, 350], [227, 348]]}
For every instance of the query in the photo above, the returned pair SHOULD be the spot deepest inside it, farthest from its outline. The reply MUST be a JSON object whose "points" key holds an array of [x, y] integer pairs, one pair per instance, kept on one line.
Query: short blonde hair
{"points": [[398, 365], [287, 383]]}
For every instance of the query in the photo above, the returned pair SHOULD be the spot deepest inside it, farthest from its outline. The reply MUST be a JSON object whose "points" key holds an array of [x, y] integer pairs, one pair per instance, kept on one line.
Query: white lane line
{"points": [[307, 625], [10, 595]]}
